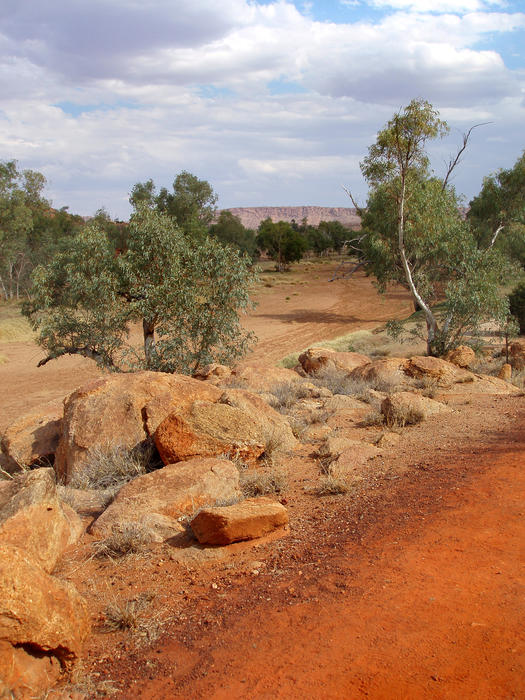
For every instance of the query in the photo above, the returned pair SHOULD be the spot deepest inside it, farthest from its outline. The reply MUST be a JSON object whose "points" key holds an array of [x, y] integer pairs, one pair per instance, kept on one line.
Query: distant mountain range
{"points": [[251, 217]]}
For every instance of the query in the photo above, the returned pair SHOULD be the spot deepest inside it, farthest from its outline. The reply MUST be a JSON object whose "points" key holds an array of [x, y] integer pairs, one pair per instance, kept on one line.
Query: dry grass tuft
{"points": [[261, 483], [111, 466], [330, 485], [374, 418], [404, 416], [287, 395], [125, 539]]}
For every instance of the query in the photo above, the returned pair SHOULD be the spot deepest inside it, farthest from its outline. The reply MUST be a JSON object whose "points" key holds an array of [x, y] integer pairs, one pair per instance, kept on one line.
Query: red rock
{"points": [[122, 409], [382, 374], [33, 518], [443, 372], [315, 359], [505, 372], [247, 520], [209, 429], [41, 615], [517, 355], [173, 491], [32, 437], [462, 356], [406, 408]]}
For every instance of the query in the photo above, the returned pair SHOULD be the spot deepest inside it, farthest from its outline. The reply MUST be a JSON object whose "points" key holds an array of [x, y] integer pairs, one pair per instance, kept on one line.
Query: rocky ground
{"points": [[372, 548]]}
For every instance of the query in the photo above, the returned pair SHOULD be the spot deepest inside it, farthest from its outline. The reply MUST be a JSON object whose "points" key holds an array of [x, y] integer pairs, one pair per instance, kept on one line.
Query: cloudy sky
{"points": [[273, 101]]}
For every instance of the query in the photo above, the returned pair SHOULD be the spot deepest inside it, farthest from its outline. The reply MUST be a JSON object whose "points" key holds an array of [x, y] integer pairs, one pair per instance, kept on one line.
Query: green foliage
{"points": [[229, 230], [517, 306], [187, 293], [499, 210], [192, 203], [281, 242], [415, 234]]}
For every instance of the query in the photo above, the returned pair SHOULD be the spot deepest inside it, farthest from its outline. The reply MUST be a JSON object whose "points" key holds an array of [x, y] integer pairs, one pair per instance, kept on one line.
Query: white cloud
{"points": [[183, 86], [443, 6]]}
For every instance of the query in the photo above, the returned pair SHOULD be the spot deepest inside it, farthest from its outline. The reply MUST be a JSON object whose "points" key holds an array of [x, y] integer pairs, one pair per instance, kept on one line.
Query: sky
{"points": [[274, 102]]}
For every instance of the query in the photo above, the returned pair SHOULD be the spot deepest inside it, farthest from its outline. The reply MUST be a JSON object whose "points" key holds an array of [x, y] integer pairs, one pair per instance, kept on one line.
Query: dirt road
{"points": [[416, 593]]}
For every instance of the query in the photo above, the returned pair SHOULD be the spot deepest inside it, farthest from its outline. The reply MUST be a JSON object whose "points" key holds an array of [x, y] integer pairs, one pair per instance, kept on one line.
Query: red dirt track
{"points": [[419, 596]]}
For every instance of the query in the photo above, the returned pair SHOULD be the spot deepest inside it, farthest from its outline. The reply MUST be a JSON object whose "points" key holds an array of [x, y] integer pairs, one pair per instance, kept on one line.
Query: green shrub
{"points": [[517, 306]]}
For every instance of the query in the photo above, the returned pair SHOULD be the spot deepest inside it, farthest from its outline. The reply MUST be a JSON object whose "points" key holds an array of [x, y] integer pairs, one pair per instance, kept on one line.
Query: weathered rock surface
{"points": [[213, 373], [271, 424], [444, 373], [173, 491], [405, 408], [208, 430], [252, 518], [33, 518], [315, 359], [462, 356], [39, 615], [123, 409], [25, 675], [383, 373], [334, 446], [517, 355], [32, 437]]}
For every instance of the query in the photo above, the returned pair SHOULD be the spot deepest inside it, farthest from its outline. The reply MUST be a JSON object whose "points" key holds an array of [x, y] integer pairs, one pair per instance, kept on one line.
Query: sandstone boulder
{"points": [[382, 374], [33, 518], [334, 446], [208, 430], [444, 373], [173, 491], [122, 409], [43, 623], [462, 356], [315, 359], [272, 425], [213, 373], [517, 355], [406, 408], [33, 437], [248, 520]]}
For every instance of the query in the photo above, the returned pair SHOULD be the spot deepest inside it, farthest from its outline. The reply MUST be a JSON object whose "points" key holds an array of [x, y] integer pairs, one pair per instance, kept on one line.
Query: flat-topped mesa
{"points": [[251, 217]]}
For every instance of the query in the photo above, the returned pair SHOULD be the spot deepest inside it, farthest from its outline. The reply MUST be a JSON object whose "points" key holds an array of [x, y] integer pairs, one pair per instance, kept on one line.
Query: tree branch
{"points": [[453, 162], [85, 352]]}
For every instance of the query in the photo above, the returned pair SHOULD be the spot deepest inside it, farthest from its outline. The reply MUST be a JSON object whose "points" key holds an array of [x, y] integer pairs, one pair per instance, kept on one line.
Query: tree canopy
{"points": [[281, 242], [186, 293]]}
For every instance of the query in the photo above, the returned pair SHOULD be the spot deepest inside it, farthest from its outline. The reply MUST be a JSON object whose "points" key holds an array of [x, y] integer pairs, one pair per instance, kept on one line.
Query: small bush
{"points": [[288, 394], [402, 416], [330, 485], [125, 539], [273, 443], [261, 483], [517, 306], [112, 466], [374, 418]]}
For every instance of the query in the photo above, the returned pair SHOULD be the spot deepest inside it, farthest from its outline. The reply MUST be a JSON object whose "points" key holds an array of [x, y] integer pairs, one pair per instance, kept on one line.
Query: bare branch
{"points": [[85, 352], [358, 209], [339, 274], [495, 235], [453, 162]]}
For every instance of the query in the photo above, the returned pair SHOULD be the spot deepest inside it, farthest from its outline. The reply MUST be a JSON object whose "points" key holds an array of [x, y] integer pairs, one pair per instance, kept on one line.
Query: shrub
{"points": [[261, 483], [517, 306], [330, 485], [125, 539], [287, 394], [111, 466]]}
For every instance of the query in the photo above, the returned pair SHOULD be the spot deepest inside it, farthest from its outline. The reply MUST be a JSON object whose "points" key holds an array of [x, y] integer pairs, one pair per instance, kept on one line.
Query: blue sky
{"points": [[274, 102]]}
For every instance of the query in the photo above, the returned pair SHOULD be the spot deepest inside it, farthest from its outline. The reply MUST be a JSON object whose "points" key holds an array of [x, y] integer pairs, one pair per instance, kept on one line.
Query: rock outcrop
{"points": [[462, 356], [43, 623], [407, 408], [315, 359], [33, 437], [173, 491], [33, 519], [248, 520], [251, 217], [123, 409]]}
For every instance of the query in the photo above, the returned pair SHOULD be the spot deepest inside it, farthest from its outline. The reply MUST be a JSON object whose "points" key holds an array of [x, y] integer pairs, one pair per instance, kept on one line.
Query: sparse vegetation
{"points": [[330, 485], [287, 394], [111, 466], [263, 482], [402, 416], [125, 539]]}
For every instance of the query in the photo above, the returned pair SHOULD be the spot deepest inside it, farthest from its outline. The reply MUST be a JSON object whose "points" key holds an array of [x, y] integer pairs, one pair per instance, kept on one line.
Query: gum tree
{"points": [[186, 294], [414, 234]]}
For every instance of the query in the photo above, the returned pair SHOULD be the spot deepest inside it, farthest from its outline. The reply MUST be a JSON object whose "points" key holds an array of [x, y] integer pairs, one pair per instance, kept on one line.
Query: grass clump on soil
{"points": [[403, 416], [330, 485], [111, 466], [125, 539], [258, 482], [287, 394], [338, 381]]}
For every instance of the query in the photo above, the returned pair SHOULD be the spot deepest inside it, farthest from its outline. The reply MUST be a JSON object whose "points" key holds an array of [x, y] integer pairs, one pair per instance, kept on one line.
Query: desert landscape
{"points": [[384, 561]]}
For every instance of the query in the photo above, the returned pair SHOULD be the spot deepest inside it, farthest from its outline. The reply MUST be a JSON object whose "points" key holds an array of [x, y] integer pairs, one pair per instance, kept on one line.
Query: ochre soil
{"points": [[409, 586]]}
